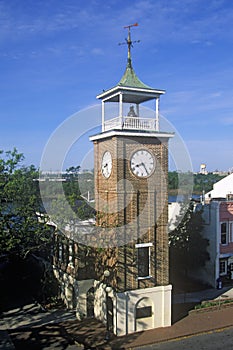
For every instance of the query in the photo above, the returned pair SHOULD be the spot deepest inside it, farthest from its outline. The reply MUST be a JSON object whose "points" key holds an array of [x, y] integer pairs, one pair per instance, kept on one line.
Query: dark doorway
{"points": [[110, 313], [90, 302]]}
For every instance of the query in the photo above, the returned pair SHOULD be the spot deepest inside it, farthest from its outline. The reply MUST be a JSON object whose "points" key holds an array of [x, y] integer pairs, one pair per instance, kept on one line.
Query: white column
{"points": [[121, 107], [157, 113], [137, 110], [103, 115]]}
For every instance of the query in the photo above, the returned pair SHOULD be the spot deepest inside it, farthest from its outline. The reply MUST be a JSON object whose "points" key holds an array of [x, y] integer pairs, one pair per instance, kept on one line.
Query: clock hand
{"points": [[142, 164], [144, 167]]}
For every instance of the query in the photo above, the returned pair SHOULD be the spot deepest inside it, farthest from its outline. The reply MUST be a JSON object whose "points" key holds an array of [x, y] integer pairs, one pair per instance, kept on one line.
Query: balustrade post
{"points": [[157, 113], [103, 127], [121, 108]]}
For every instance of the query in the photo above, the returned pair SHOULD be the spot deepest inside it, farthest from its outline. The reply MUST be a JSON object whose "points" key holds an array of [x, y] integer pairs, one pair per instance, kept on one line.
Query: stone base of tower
{"points": [[135, 310], [142, 309], [127, 312]]}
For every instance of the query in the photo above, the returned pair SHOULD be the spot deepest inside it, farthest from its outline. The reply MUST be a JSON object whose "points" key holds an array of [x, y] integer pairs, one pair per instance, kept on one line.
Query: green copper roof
{"points": [[130, 78], [130, 87]]}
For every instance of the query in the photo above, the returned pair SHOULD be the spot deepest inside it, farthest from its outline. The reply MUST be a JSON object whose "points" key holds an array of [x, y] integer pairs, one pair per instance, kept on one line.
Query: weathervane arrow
{"points": [[129, 42], [131, 25]]}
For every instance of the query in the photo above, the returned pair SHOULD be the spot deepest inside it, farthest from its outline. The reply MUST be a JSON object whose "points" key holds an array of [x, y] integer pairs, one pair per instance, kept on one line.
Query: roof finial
{"points": [[130, 43]]}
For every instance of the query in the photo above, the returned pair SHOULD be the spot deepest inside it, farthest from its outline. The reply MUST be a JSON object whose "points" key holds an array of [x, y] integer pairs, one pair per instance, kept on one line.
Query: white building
{"points": [[218, 229], [221, 189]]}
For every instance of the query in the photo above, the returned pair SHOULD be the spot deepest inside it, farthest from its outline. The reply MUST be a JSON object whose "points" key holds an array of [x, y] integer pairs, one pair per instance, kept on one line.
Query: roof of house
{"points": [[221, 188]]}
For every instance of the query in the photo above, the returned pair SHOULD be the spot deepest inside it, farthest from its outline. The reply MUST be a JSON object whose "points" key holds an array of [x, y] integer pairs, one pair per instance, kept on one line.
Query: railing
{"points": [[133, 123], [115, 123]]}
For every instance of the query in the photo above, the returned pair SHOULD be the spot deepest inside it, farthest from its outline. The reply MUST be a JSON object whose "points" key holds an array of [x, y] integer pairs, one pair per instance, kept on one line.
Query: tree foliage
{"points": [[201, 182], [173, 180], [188, 249], [23, 227]]}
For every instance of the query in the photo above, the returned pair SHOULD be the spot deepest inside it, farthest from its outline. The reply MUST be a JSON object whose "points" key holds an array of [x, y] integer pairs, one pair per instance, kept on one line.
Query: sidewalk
{"points": [[194, 323], [207, 294], [64, 331], [30, 316], [92, 333]]}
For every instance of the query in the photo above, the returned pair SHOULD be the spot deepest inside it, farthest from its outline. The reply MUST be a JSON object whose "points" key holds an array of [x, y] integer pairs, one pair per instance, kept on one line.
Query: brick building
{"points": [[218, 229]]}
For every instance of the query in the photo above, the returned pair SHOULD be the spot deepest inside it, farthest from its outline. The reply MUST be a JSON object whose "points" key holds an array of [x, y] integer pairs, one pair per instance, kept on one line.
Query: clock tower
{"points": [[131, 173]]}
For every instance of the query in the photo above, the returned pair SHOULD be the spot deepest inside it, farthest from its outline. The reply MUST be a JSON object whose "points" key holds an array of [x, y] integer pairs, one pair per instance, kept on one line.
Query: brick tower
{"points": [[131, 171]]}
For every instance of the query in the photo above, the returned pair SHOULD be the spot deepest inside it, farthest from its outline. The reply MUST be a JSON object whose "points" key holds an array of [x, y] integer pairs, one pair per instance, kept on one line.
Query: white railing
{"points": [[133, 123], [115, 123]]}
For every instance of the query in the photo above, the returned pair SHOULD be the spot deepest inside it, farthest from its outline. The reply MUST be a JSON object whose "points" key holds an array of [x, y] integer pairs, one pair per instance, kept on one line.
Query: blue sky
{"points": [[56, 56]]}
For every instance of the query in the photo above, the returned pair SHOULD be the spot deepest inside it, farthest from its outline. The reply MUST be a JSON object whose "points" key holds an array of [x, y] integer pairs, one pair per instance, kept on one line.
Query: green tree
{"points": [[23, 228], [188, 248], [201, 182], [25, 236], [73, 194], [73, 171], [173, 180]]}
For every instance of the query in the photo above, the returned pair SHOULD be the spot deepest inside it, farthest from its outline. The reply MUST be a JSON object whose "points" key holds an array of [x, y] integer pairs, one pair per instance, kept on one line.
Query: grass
{"points": [[213, 303]]}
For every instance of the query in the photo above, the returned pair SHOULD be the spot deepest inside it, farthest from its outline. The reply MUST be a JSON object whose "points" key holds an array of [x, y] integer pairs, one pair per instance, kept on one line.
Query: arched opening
{"points": [[90, 302], [144, 314], [110, 313]]}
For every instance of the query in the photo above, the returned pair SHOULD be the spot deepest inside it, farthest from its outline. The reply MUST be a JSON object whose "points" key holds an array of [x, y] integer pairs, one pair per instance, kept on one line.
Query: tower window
{"points": [[224, 233], [143, 260]]}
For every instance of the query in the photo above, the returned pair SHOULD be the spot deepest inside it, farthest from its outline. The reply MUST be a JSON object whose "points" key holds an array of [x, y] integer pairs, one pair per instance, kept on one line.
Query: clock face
{"points": [[106, 165], [142, 163]]}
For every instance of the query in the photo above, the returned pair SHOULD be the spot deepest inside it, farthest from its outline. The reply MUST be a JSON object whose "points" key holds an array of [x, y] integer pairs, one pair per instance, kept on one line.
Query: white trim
{"points": [[230, 232], [144, 278], [137, 110], [108, 93], [114, 95], [145, 245], [121, 107], [103, 115], [130, 123], [130, 133], [157, 113], [142, 245]]}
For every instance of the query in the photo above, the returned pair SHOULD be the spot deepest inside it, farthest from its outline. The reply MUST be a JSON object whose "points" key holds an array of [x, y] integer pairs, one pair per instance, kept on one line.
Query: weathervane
{"points": [[129, 42]]}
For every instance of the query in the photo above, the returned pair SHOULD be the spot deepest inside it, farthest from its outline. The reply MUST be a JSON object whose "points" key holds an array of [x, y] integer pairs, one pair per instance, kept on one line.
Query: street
{"points": [[31, 327], [217, 340]]}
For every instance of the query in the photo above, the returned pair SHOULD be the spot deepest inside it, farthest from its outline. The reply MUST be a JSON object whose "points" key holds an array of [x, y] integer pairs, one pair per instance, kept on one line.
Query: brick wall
{"points": [[137, 207]]}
